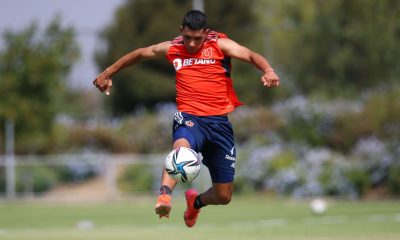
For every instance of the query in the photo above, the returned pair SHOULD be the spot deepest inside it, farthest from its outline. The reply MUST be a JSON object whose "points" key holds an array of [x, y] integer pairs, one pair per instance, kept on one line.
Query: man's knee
{"points": [[224, 198]]}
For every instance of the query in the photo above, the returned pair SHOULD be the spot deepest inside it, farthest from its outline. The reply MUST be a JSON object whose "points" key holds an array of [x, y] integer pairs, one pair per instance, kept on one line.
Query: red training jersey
{"points": [[203, 83]]}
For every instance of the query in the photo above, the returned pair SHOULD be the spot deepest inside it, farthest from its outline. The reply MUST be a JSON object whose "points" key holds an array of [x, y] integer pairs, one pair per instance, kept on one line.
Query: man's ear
{"points": [[207, 30], [181, 29]]}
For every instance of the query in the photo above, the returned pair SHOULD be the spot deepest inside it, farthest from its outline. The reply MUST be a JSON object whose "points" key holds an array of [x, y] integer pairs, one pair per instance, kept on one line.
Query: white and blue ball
{"points": [[183, 164]]}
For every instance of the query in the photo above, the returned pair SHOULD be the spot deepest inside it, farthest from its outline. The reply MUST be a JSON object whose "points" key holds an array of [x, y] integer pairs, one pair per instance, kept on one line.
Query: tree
{"points": [[140, 23], [33, 70], [338, 47]]}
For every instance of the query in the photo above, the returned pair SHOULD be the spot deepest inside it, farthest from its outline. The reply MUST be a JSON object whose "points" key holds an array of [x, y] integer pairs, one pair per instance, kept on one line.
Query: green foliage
{"points": [[394, 179], [338, 47], [328, 178], [136, 25], [345, 133], [252, 123], [281, 162], [359, 179], [380, 116], [323, 48], [137, 177], [33, 68], [242, 185], [142, 133], [75, 173], [235, 18], [30, 180], [352, 177], [303, 128]]}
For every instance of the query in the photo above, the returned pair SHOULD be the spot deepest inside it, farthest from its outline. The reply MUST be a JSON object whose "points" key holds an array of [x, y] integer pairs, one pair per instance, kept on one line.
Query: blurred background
{"points": [[332, 129]]}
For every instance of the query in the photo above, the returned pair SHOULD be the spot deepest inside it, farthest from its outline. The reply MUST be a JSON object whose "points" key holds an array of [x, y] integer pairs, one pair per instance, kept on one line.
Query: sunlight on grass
{"points": [[251, 217]]}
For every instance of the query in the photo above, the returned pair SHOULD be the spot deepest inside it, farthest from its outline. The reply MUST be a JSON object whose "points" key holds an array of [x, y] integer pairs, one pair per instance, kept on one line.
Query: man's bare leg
{"points": [[163, 205], [219, 193]]}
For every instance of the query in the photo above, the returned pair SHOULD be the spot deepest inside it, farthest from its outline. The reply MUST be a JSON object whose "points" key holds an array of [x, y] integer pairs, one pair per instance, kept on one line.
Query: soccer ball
{"points": [[183, 164], [318, 206]]}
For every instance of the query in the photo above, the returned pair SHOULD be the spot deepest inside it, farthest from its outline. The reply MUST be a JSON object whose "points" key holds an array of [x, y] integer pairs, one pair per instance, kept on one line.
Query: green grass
{"points": [[255, 217]]}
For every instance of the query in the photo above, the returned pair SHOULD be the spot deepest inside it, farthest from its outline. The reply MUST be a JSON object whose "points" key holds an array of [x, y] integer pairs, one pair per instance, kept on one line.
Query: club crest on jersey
{"points": [[206, 53], [189, 123], [177, 63]]}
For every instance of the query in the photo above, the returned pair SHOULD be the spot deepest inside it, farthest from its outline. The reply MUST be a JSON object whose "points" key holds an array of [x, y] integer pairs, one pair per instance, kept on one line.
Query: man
{"points": [[205, 96]]}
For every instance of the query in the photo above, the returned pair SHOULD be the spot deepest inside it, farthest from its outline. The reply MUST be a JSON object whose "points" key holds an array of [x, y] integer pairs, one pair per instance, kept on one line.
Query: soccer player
{"points": [[204, 97]]}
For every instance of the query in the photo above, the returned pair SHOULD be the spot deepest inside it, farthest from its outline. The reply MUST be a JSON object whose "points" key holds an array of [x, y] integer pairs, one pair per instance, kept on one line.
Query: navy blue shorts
{"points": [[213, 137]]}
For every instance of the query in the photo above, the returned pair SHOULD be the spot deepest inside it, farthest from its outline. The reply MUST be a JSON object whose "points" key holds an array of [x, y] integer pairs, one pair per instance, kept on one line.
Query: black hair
{"points": [[195, 20]]}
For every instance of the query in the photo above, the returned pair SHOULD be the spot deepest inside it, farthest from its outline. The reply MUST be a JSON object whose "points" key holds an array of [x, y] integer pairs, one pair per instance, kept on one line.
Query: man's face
{"points": [[193, 39]]}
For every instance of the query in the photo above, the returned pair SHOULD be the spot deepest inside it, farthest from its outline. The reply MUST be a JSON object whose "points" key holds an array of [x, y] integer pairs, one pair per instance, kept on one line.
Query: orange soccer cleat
{"points": [[191, 213], [163, 205]]}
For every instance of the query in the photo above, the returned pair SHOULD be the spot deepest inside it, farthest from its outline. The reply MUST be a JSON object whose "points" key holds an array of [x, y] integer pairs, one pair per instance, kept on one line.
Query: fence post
{"points": [[198, 5], [111, 177], [9, 159]]}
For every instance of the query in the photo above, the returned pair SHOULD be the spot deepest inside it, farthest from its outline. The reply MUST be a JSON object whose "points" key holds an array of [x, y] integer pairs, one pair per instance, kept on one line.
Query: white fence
{"points": [[103, 186]]}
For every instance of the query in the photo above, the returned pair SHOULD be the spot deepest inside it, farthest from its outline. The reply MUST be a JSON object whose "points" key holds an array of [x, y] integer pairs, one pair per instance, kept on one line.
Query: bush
{"points": [[242, 185], [76, 172], [37, 179], [358, 179], [282, 161], [250, 123], [137, 177], [394, 179]]}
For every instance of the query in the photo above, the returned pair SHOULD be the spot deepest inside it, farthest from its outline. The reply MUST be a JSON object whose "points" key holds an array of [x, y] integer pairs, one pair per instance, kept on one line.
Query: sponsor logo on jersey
{"points": [[179, 63]]}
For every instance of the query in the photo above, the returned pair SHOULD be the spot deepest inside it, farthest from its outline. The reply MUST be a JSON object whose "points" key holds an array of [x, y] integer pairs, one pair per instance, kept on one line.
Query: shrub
{"points": [[36, 179], [137, 177], [252, 123], [76, 172], [358, 179], [282, 161], [394, 179]]}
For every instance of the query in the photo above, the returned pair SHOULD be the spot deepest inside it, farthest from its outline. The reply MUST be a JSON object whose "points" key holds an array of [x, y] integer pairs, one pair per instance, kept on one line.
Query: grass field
{"points": [[255, 217]]}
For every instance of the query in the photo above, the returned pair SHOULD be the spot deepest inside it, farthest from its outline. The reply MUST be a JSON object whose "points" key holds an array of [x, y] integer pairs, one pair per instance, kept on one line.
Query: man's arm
{"points": [[235, 50], [104, 82]]}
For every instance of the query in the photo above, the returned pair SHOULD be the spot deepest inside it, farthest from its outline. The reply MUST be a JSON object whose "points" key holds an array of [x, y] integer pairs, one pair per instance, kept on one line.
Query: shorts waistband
{"points": [[212, 117]]}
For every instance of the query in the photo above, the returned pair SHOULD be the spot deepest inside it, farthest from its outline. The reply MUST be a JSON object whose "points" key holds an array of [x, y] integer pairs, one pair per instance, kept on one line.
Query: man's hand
{"points": [[270, 79], [103, 82]]}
